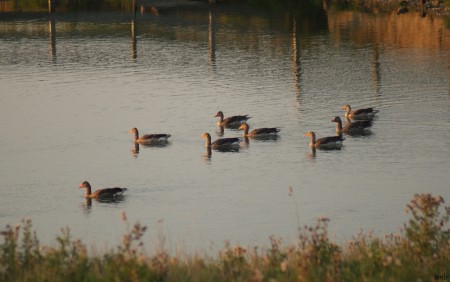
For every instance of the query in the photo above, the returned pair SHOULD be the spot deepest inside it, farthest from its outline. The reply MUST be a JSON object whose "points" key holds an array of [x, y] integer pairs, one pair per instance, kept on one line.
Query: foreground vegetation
{"points": [[420, 253]]}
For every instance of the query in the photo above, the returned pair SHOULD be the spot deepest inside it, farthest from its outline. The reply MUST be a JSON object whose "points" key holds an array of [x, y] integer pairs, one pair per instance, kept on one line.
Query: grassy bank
{"points": [[419, 253]]}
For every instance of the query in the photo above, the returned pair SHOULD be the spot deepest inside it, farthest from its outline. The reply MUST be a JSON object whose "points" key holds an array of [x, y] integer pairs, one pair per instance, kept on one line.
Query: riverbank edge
{"points": [[438, 7], [421, 252]]}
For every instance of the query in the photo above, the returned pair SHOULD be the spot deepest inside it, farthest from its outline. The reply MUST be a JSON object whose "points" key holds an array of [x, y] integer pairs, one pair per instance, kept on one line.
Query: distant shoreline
{"points": [[371, 6]]}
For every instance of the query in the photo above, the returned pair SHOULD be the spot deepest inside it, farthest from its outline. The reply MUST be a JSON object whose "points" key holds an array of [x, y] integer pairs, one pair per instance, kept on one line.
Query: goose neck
{"points": [[88, 190], [338, 126], [246, 129], [208, 140], [136, 134], [313, 140]]}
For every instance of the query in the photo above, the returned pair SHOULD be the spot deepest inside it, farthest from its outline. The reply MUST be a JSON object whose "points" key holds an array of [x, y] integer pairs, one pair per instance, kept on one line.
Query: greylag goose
{"points": [[102, 193], [332, 142], [221, 143], [365, 114], [352, 128], [259, 132], [149, 138], [233, 121]]}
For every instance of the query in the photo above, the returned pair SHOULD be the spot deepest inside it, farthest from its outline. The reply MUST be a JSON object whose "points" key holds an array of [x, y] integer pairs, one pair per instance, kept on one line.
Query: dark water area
{"points": [[73, 83]]}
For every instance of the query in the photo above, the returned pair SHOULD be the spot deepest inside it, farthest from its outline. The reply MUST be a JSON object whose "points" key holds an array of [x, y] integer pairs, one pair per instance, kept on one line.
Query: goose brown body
{"points": [[330, 143], [221, 143], [359, 114], [101, 193], [233, 121], [352, 128], [259, 132], [149, 138]]}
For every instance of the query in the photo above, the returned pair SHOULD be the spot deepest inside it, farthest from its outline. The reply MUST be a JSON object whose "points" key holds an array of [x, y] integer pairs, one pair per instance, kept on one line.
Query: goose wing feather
{"points": [[235, 119], [109, 191], [226, 141], [330, 139], [260, 131], [155, 136], [359, 124]]}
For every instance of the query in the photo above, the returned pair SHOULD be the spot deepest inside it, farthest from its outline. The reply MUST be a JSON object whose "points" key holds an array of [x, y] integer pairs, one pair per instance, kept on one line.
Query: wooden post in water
{"points": [[52, 34], [133, 30], [212, 39], [52, 29], [296, 58], [133, 8], [51, 6]]}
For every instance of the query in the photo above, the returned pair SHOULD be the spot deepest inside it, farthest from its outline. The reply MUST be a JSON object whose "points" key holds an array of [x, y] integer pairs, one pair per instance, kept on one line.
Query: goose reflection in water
{"points": [[221, 130], [208, 151], [261, 139], [207, 155], [135, 151], [312, 154], [115, 200], [87, 205]]}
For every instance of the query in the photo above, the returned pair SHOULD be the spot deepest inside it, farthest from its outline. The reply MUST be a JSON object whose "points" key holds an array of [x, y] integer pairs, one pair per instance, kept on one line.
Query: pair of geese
{"points": [[363, 120], [358, 122]]}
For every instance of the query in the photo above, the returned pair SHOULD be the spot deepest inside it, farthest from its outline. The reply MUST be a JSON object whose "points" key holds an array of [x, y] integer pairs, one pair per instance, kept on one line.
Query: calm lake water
{"points": [[72, 86]]}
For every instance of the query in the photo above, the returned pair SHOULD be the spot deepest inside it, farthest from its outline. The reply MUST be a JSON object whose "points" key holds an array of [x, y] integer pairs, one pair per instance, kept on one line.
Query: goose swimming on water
{"points": [[359, 114], [330, 143], [233, 121], [221, 143], [102, 193], [149, 138], [259, 132]]}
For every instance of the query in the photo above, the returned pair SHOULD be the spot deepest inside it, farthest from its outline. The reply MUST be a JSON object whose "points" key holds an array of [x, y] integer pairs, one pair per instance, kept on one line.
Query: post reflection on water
{"points": [[133, 32], [296, 59], [375, 68], [133, 40], [212, 39], [52, 35]]}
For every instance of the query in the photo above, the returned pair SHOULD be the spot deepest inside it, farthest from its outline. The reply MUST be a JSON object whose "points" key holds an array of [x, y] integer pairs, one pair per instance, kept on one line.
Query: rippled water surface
{"points": [[72, 86]]}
